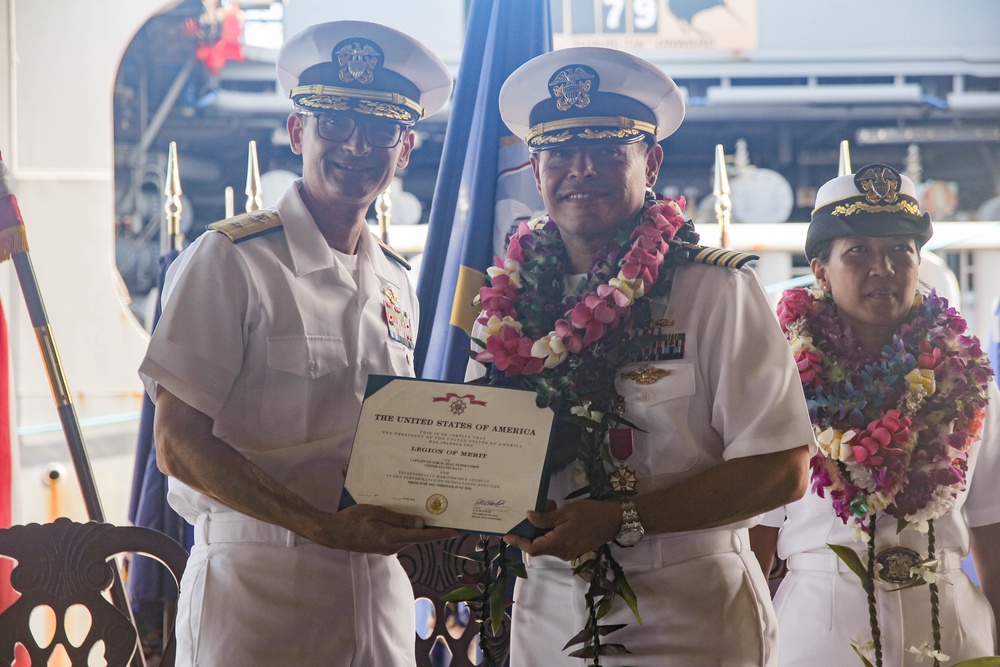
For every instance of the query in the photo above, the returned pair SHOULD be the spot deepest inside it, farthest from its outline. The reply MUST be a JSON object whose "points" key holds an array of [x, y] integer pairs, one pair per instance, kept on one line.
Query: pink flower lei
{"points": [[895, 431], [522, 336]]}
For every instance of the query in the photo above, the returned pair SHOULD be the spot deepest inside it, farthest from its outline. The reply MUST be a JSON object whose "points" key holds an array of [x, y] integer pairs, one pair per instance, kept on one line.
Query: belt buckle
{"points": [[896, 565]]}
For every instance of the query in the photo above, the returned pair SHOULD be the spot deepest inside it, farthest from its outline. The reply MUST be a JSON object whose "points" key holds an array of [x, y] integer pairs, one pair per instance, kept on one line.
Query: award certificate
{"points": [[469, 457]]}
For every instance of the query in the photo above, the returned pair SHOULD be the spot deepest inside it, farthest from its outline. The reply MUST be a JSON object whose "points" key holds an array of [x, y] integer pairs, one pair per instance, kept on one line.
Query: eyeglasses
{"points": [[378, 132]]}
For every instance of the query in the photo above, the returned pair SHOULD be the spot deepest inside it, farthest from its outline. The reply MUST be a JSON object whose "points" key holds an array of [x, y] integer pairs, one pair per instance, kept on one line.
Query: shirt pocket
{"points": [[303, 375], [400, 358], [662, 410]]}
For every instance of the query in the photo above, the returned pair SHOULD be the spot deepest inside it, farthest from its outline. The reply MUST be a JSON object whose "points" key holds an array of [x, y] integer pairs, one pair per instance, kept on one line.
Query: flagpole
{"points": [[723, 202], [173, 206], [845, 159], [252, 190], [383, 212], [14, 245]]}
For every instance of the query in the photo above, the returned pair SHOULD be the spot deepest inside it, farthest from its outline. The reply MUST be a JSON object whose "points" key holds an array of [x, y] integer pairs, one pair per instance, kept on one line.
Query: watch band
{"points": [[631, 531]]}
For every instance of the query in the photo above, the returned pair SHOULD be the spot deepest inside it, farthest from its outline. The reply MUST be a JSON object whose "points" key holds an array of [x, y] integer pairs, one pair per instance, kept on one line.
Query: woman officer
{"points": [[907, 419]]}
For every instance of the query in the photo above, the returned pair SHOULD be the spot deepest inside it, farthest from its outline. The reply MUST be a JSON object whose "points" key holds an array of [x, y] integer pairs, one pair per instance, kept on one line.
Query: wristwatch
{"points": [[631, 531]]}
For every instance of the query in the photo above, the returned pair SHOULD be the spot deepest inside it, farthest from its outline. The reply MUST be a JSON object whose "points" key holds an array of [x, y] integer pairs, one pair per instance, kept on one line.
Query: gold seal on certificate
{"points": [[469, 457]]}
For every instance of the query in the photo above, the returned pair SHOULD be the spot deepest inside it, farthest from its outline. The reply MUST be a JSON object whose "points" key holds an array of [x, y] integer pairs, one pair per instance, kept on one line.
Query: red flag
{"points": [[7, 594], [11, 234], [12, 239]]}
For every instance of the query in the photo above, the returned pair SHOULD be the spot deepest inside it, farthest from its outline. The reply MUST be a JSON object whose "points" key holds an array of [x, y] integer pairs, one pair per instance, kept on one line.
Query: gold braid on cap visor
{"points": [[546, 133], [374, 102], [845, 210]]}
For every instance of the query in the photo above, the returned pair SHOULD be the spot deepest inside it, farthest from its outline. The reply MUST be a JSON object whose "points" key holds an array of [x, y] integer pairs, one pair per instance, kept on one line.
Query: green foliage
{"points": [[607, 583], [853, 561], [485, 591]]}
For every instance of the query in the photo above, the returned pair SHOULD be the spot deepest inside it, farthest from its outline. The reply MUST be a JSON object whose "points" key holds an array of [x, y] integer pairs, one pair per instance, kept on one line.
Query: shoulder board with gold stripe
{"points": [[248, 225], [718, 256], [392, 254]]}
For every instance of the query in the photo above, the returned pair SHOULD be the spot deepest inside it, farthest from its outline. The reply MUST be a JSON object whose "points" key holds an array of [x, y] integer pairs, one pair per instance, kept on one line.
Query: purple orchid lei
{"points": [[894, 431]]}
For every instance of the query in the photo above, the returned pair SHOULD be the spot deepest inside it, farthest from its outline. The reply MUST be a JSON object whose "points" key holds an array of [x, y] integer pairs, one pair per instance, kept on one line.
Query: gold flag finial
{"points": [[253, 181], [229, 202], [845, 159], [914, 165], [383, 211], [173, 205], [723, 202]]}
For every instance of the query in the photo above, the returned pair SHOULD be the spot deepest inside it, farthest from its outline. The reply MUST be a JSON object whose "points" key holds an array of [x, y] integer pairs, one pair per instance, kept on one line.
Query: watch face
{"points": [[629, 537]]}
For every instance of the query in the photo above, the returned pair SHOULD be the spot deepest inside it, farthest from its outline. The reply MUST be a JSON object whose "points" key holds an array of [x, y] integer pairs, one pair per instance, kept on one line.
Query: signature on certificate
{"points": [[495, 503]]}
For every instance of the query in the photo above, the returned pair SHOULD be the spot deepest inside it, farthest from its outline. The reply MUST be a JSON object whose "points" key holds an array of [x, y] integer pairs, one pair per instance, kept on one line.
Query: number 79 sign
{"points": [[656, 25]]}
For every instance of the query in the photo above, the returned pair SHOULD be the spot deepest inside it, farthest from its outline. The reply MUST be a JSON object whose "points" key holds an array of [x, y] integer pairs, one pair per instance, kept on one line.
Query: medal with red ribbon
{"points": [[620, 442]]}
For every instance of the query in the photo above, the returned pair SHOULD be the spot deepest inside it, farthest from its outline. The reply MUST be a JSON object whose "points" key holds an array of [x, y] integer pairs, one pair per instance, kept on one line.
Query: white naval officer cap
{"points": [[587, 95], [875, 201], [364, 68]]}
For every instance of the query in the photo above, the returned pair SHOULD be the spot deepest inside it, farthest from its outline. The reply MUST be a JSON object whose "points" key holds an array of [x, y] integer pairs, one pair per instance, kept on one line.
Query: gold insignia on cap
{"points": [[571, 88], [582, 127], [357, 62], [331, 102], [846, 210], [879, 184], [372, 102], [620, 133], [390, 111]]}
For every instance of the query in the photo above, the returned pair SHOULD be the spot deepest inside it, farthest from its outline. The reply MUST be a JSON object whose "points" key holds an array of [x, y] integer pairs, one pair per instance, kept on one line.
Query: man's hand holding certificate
{"points": [[469, 457]]}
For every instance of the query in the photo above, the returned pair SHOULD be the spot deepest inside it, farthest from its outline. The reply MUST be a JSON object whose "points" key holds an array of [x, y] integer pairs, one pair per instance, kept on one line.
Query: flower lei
{"points": [[527, 334], [894, 432], [568, 347]]}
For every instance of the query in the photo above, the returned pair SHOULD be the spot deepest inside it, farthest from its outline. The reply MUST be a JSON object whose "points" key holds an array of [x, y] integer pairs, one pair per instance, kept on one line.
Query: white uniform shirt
{"points": [[734, 393], [274, 339]]}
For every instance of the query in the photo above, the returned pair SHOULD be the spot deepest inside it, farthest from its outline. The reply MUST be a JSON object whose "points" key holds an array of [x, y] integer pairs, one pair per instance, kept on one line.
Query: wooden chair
{"points": [[453, 638], [62, 564]]}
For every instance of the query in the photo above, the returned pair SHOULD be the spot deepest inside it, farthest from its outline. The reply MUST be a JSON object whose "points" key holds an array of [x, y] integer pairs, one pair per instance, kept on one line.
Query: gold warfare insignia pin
{"points": [[391, 295], [571, 87], [358, 59], [436, 504], [646, 375], [879, 184]]}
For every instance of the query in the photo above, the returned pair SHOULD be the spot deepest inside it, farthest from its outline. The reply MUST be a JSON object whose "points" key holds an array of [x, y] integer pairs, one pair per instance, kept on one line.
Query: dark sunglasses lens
{"points": [[335, 127], [378, 133], [382, 134]]}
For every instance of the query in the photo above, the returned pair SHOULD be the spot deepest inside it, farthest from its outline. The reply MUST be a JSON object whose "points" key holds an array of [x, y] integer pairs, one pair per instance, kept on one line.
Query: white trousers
{"points": [[254, 594], [702, 599], [821, 607]]}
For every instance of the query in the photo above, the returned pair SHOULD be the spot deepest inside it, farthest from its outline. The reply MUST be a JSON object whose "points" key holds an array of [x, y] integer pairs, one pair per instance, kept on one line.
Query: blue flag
{"points": [[484, 186], [149, 583]]}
